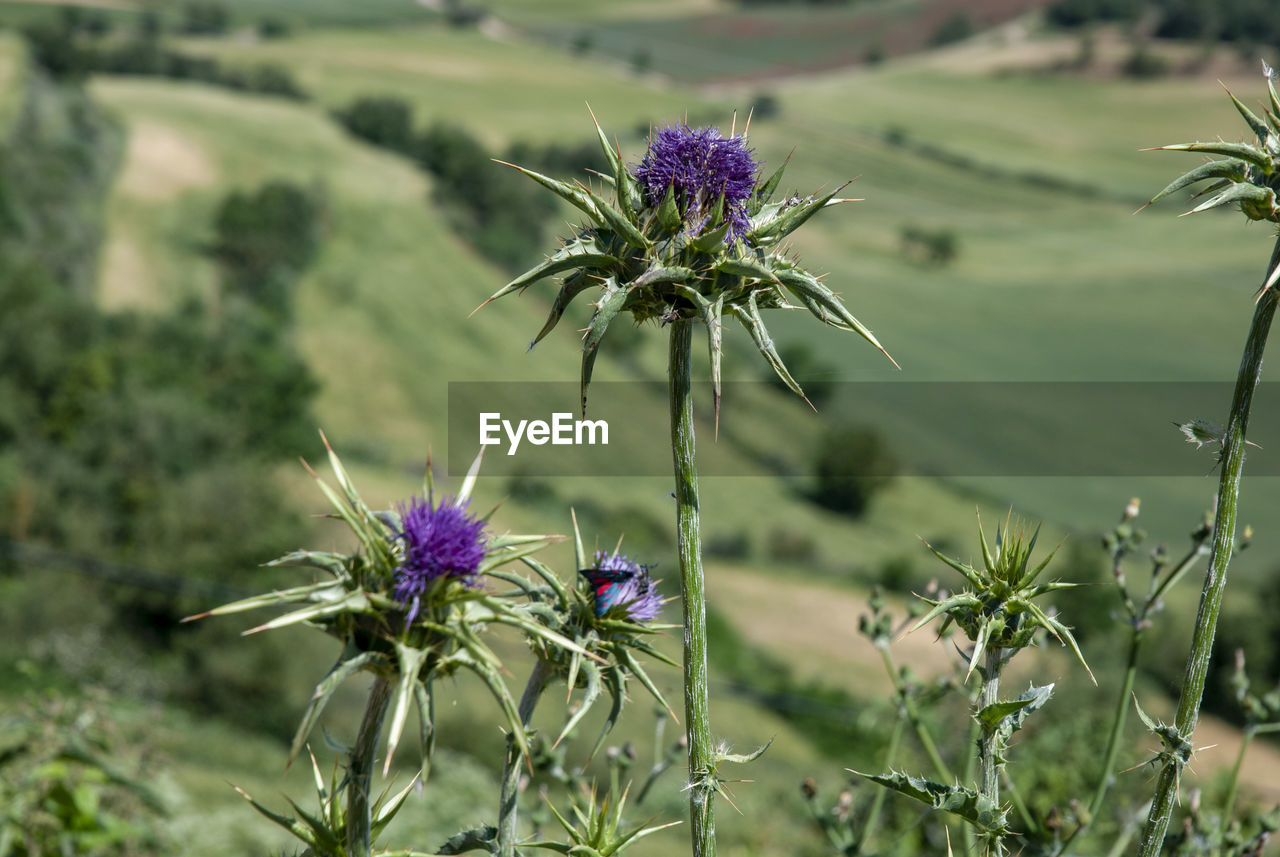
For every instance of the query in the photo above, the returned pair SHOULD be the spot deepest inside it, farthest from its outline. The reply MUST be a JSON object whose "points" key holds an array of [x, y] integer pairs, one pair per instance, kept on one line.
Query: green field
{"points": [[1056, 279]]}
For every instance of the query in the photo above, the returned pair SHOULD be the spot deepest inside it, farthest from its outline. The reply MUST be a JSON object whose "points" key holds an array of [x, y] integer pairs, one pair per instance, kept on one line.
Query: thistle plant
{"points": [[1121, 543], [607, 622], [692, 234], [850, 828], [409, 607], [999, 614], [1249, 176]]}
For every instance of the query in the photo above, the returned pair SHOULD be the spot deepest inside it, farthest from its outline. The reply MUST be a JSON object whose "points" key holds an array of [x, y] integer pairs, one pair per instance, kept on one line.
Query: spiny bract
{"points": [[1248, 175], [692, 233]]}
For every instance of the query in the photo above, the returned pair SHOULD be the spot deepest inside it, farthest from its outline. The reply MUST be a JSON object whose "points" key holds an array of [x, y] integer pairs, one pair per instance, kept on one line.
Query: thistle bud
{"points": [[1246, 175], [809, 788], [1131, 510]]}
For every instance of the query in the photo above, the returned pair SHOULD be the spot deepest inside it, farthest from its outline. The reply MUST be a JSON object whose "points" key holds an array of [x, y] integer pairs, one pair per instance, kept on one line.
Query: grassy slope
{"points": [[381, 317], [1129, 298]]}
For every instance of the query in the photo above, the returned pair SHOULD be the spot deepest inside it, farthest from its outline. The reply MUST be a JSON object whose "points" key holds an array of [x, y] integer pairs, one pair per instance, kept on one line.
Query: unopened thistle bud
{"points": [[1247, 175]]}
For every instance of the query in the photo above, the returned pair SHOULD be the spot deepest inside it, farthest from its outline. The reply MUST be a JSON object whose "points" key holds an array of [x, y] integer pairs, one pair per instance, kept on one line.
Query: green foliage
{"points": [[824, 714], [1074, 13], [495, 207], [140, 439], [383, 120], [936, 247], [61, 789], [1143, 63], [1251, 21], [54, 171], [956, 28], [750, 3], [274, 27], [205, 18], [69, 49], [852, 464], [266, 238]]}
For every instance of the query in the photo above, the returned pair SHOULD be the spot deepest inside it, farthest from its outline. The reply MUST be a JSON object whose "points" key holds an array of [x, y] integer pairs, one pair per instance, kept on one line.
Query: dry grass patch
{"points": [[160, 163], [125, 280]]}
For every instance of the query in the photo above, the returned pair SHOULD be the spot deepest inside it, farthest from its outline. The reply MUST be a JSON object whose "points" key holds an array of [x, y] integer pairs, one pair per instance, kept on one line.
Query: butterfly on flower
{"points": [[618, 582]]}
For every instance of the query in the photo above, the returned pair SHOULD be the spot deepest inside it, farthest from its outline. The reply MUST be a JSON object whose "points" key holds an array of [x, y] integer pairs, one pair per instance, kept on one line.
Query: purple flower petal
{"points": [[439, 542], [701, 166]]}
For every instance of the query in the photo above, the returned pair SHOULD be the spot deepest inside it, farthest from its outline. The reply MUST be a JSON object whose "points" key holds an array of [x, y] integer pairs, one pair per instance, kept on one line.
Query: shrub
{"points": [[264, 238], [955, 29], [734, 545], [500, 210], [853, 464], [274, 27], [784, 544], [582, 42], [205, 19], [937, 247], [1142, 63], [383, 120]]}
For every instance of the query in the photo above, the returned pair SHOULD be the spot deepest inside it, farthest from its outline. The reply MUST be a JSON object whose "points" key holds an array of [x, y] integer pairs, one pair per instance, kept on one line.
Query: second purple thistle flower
{"points": [[702, 170], [617, 581]]}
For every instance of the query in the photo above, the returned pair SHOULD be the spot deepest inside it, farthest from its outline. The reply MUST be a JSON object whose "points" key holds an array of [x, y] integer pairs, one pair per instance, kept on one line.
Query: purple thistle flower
{"points": [[616, 581], [439, 542], [700, 165]]}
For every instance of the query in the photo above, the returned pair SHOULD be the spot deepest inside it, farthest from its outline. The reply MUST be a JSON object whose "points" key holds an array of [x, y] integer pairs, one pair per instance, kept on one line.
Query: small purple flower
{"points": [[443, 541], [616, 581], [700, 165]]}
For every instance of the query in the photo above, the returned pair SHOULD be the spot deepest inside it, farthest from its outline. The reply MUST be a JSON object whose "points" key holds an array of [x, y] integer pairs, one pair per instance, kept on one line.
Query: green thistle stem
{"points": [[360, 771], [1215, 582], [989, 740], [508, 801], [702, 785], [989, 743]]}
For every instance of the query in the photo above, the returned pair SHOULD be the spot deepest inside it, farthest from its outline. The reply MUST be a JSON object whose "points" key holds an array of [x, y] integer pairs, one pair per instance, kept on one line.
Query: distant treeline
{"points": [[74, 45], [502, 213], [1245, 21], [149, 440], [795, 2]]}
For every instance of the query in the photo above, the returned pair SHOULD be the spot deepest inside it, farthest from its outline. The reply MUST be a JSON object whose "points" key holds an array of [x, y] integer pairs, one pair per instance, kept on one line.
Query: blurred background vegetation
{"points": [[226, 224]]}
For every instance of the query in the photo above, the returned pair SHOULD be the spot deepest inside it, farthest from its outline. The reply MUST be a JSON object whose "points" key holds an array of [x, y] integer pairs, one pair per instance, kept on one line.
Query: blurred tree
{"points": [[852, 464]]}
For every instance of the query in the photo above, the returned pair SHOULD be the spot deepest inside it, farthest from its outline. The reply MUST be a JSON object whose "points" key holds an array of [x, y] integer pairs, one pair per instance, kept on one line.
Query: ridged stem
{"points": [[360, 771], [697, 714], [989, 743], [508, 801], [1215, 582]]}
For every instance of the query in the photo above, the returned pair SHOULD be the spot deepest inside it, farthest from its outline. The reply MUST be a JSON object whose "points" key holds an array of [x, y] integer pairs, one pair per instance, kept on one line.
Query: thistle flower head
{"points": [[618, 582], [997, 611], [440, 542], [692, 233], [708, 175], [1247, 175], [402, 563]]}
